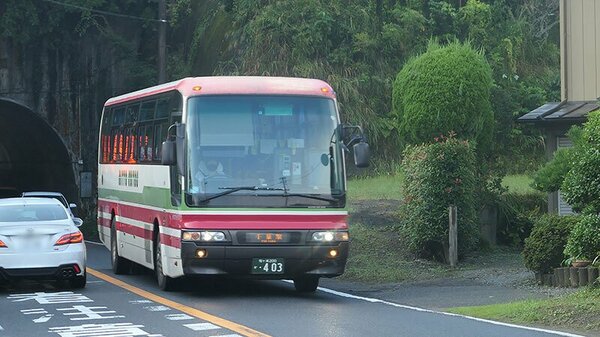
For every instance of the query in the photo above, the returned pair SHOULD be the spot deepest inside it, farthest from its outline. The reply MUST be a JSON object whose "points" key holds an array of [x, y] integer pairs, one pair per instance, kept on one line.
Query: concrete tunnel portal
{"points": [[33, 156]]}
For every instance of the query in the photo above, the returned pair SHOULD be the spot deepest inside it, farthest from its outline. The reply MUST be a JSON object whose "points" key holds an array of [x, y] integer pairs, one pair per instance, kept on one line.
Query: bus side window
{"points": [[145, 142], [175, 182], [160, 134]]}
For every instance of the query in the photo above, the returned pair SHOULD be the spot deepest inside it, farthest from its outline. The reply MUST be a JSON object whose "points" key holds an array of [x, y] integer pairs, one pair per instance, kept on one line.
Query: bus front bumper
{"points": [[312, 260]]}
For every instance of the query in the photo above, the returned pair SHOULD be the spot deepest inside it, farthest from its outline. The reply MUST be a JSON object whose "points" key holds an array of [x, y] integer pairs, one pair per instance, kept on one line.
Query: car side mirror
{"points": [[72, 206], [78, 222]]}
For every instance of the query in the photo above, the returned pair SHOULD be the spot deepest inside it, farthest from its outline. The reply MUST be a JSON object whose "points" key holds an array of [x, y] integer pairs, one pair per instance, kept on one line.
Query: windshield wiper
{"points": [[230, 190], [305, 195]]}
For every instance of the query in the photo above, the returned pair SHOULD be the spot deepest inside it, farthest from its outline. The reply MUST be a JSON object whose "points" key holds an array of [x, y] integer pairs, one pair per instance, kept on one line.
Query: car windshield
{"points": [[20, 213], [58, 197]]}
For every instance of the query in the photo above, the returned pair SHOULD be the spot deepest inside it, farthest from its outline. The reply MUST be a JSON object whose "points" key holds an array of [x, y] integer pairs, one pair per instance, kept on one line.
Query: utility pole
{"points": [[162, 42]]}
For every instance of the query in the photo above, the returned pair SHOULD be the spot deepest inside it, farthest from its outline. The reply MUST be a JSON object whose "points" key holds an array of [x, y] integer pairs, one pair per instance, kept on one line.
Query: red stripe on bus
{"points": [[229, 221], [169, 240]]}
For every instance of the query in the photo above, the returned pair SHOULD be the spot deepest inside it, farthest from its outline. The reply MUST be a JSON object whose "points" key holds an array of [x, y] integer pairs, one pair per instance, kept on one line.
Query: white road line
{"points": [[178, 317], [375, 300], [234, 335], [201, 326], [157, 308]]}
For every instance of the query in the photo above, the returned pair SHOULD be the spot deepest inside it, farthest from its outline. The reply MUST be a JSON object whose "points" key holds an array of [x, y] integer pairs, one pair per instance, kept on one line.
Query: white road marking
{"points": [[140, 301], [201, 326], [88, 313], [88, 282], [375, 300], [157, 308], [234, 335], [1, 328], [38, 311], [97, 330], [178, 317], [51, 298], [43, 319]]}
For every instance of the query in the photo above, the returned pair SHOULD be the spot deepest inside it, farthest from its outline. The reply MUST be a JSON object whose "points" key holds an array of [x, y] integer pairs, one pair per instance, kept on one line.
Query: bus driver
{"points": [[206, 169]]}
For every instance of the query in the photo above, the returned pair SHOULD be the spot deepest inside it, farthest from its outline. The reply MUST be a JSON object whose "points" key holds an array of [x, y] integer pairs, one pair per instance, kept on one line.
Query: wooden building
{"points": [[580, 81]]}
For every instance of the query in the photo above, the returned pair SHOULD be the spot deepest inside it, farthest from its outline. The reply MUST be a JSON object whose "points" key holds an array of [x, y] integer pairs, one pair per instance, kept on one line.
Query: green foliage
{"points": [[474, 20], [550, 177], [584, 240], [446, 89], [544, 247], [516, 215], [438, 175], [581, 185]]}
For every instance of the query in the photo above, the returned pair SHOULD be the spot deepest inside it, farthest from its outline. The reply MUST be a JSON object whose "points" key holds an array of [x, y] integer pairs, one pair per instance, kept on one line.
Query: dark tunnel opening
{"points": [[33, 156]]}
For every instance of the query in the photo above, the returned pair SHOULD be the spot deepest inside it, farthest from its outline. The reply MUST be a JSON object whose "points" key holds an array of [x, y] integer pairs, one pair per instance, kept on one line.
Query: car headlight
{"points": [[204, 236], [330, 236]]}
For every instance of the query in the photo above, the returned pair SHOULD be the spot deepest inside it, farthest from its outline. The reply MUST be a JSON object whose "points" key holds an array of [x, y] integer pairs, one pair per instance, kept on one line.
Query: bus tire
{"points": [[120, 265], [306, 284], [165, 282]]}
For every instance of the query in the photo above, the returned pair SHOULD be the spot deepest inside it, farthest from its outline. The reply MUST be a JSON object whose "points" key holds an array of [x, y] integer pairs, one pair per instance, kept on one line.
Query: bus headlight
{"points": [[330, 236], [204, 236]]}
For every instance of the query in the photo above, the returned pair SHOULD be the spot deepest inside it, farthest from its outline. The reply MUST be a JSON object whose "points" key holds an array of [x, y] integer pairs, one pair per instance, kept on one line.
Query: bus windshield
{"points": [[263, 151]]}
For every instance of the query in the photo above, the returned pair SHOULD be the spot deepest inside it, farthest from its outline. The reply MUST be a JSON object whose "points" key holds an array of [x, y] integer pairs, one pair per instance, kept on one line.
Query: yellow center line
{"points": [[243, 330]]}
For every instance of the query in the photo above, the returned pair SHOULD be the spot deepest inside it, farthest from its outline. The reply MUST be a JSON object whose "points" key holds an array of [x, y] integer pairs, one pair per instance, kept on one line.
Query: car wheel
{"points": [[165, 282], [306, 284], [120, 265], [79, 281]]}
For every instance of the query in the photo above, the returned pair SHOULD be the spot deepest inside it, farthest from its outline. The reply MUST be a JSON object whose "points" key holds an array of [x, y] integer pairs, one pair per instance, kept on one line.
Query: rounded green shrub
{"points": [[438, 175], [446, 89], [584, 240], [543, 249]]}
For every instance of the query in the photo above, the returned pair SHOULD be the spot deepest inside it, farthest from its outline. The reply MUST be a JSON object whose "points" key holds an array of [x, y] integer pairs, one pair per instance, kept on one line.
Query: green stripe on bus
{"points": [[161, 198]]}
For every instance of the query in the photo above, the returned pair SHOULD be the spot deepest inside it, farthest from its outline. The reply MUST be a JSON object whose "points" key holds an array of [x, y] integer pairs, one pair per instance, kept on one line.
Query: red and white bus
{"points": [[238, 176]]}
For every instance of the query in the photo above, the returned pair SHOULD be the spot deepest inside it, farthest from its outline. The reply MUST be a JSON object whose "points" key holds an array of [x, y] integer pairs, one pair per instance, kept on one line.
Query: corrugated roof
{"points": [[560, 112]]}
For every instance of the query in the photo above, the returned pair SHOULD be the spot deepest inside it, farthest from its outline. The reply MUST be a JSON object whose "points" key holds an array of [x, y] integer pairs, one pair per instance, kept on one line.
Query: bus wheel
{"points": [[120, 265], [165, 282], [306, 284]]}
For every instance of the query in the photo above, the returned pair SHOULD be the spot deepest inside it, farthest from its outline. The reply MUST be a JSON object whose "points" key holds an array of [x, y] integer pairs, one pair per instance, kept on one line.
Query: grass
{"points": [[373, 188], [579, 310], [518, 183], [376, 256]]}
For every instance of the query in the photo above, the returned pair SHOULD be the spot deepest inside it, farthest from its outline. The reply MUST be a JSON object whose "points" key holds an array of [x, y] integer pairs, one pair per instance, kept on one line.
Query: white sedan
{"points": [[39, 239]]}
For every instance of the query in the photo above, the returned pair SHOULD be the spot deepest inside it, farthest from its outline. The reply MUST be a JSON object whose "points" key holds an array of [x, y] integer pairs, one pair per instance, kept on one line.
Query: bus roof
{"points": [[232, 85]]}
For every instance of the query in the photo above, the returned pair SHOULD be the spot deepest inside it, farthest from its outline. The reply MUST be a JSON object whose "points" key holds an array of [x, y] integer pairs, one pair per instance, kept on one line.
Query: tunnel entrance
{"points": [[33, 157]]}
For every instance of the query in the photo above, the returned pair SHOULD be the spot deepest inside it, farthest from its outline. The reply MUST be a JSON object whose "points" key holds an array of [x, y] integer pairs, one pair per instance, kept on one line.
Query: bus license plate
{"points": [[267, 266]]}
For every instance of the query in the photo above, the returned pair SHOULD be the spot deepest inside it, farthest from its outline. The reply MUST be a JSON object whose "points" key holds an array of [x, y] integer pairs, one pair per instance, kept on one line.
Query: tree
{"points": [[446, 89]]}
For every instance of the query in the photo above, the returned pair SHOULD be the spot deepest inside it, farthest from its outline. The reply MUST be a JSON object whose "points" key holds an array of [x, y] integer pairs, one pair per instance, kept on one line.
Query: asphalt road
{"points": [[132, 305]]}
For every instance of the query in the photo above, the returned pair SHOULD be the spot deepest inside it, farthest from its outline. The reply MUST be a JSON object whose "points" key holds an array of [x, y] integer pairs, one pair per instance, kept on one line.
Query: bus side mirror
{"points": [[361, 154], [172, 148], [168, 153]]}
